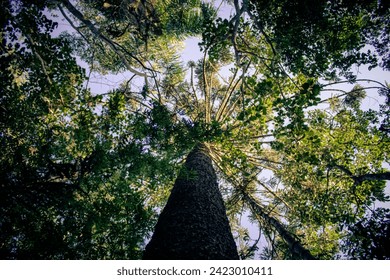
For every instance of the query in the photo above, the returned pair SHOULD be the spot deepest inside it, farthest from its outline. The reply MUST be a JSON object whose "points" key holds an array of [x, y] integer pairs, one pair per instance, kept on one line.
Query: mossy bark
{"points": [[193, 224]]}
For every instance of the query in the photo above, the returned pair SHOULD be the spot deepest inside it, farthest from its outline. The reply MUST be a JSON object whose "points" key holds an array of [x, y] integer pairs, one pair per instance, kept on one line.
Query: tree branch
{"points": [[383, 176], [294, 244], [38, 56], [206, 91], [113, 46]]}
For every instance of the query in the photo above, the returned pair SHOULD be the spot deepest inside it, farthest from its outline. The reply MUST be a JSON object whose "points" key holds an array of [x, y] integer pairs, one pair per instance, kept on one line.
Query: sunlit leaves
{"points": [[323, 166]]}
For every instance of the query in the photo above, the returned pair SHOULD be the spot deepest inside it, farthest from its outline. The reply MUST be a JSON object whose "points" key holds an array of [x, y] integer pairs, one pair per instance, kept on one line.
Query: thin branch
{"points": [[129, 95], [254, 247], [230, 109], [38, 56], [193, 87], [206, 90], [293, 243], [261, 29], [273, 193], [355, 81], [237, 17], [114, 46], [72, 24], [344, 92], [227, 97]]}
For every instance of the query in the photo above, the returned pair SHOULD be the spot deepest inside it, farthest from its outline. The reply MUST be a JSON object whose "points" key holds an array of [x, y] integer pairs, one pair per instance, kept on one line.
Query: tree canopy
{"points": [[276, 97]]}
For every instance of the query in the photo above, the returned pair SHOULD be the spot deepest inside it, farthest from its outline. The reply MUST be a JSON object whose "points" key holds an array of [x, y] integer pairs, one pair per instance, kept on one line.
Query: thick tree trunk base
{"points": [[193, 224]]}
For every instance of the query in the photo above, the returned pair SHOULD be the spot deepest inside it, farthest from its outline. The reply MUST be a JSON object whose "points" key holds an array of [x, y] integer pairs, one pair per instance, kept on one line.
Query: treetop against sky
{"points": [[102, 101]]}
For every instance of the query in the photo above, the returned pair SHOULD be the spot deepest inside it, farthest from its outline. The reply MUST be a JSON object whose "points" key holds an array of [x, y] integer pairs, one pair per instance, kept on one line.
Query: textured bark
{"points": [[193, 224]]}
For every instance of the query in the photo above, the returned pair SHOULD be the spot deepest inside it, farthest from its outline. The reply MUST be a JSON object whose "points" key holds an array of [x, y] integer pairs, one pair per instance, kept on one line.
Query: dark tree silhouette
{"points": [[193, 224]]}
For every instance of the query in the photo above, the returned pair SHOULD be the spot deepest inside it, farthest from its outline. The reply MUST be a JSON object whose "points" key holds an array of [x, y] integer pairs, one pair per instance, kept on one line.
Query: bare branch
{"points": [[228, 95], [206, 91]]}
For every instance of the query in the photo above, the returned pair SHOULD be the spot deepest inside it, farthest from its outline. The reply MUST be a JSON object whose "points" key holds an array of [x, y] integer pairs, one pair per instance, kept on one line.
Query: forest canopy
{"points": [[278, 97]]}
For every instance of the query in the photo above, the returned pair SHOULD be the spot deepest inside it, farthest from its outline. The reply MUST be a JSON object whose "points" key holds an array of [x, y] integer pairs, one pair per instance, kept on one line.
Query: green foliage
{"points": [[335, 33], [355, 96], [385, 110], [74, 185], [136, 33], [324, 166], [83, 174]]}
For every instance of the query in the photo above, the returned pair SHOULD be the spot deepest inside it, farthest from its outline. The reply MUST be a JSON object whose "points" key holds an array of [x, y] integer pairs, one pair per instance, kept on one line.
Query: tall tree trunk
{"points": [[294, 245], [193, 224]]}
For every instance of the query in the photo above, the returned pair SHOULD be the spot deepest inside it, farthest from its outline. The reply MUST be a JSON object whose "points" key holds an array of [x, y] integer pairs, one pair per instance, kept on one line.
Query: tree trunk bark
{"points": [[193, 224]]}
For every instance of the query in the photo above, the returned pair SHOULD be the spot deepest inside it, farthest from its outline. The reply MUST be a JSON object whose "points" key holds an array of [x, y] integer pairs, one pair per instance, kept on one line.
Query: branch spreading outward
{"points": [[358, 179], [119, 50]]}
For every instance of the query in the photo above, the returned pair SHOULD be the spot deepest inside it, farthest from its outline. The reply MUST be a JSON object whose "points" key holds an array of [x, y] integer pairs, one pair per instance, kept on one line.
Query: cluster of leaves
{"points": [[332, 41], [290, 21]]}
